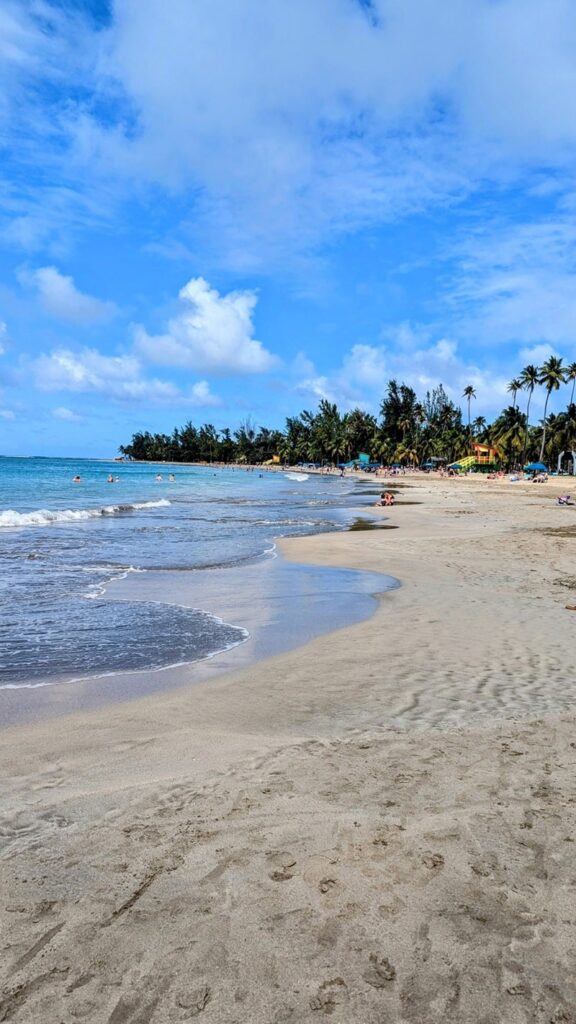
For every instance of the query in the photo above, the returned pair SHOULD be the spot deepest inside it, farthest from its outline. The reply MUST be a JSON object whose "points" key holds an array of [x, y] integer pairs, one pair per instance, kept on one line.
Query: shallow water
{"points": [[66, 547]]}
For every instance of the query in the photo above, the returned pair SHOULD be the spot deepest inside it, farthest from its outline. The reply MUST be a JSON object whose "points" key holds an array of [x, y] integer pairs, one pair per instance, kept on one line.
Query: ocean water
{"points": [[64, 546]]}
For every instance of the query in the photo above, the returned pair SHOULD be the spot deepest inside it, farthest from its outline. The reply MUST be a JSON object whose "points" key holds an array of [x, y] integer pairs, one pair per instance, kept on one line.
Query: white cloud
{"points": [[318, 388], [210, 333], [201, 394], [62, 413], [61, 299], [122, 378], [88, 371], [7, 414], [536, 354], [3, 337], [290, 120], [366, 369], [366, 365]]}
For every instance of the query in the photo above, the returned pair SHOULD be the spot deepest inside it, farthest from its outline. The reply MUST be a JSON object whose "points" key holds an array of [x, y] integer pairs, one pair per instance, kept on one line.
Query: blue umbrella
{"points": [[537, 467]]}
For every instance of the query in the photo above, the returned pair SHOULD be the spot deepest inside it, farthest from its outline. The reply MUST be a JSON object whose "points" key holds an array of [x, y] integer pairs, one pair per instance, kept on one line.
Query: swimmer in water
{"points": [[75, 479]]}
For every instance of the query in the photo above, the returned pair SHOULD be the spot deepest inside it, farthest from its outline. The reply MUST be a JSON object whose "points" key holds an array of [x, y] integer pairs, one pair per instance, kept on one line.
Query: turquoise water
{"points": [[64, 544]]}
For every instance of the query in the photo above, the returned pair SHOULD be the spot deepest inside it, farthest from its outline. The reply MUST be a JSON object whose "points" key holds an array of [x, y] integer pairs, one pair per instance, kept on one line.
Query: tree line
{"points": [[408, 430]]}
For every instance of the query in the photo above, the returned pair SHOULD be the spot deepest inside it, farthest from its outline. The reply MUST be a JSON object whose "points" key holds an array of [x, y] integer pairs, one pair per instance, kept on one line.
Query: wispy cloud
{"points": [[61, 299], [202, 395], [286, 122], [421, 362], [516, 282], [63, 413], [88, 371], [118, 378]]}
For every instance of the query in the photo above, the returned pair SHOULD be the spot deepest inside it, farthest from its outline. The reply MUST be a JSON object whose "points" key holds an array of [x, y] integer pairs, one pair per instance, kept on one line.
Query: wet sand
{"points": [[377, 826]]}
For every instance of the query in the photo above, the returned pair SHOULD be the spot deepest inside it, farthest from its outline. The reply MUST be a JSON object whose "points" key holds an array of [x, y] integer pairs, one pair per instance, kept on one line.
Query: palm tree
{"points": [[560, 432], [570, 374], [479, 427], [529, 378], [514, 387], [469, 393], [508, 432], [406, 453], [552, 375]]}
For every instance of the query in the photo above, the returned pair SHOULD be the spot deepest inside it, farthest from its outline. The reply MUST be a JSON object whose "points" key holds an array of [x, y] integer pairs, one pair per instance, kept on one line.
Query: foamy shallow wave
{"points": [[112, 575], [242, 635], [296, 476], [45, 517]]}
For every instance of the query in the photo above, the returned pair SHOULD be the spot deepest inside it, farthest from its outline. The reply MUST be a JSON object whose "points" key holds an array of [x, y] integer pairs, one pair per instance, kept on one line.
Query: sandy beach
{"points": [[376, 827]]}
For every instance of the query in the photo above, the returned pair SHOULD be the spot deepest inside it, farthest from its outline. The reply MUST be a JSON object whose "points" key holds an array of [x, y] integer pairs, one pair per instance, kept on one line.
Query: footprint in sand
{"points": [[380, 972], [326, 884], [194, 1001], [433, 861], [282, 864], [331, 994], [319, 871]]}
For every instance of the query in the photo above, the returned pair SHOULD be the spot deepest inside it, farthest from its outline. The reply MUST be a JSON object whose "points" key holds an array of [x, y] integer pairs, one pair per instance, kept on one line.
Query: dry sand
{"points": [[378, 827]]}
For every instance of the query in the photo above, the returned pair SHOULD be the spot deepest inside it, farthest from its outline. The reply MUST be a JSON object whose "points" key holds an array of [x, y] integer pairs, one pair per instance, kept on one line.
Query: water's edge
{"points": [[281, 604]]}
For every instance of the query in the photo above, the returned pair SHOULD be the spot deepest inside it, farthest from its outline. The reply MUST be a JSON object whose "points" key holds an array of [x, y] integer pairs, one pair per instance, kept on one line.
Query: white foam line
{"points": [[46, 517]]}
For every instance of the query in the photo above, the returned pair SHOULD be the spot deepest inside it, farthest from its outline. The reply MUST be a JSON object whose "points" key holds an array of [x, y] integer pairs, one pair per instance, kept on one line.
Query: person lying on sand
{"points": [[565, 499]]}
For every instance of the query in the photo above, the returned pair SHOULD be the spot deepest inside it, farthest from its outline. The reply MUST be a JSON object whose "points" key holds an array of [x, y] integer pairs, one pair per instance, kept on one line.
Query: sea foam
{"points": [[45, 516]]}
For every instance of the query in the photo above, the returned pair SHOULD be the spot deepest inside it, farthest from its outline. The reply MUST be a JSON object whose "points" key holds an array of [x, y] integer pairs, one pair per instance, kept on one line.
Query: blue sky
{"points": [[221, 209]]}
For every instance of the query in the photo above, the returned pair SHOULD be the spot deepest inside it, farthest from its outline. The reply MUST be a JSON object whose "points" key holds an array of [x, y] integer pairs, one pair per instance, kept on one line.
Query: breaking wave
{"points": [[45, 517]]}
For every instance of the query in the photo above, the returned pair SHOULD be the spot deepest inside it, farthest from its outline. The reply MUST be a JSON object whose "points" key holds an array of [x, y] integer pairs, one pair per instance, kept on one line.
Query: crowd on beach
{"points": [[386, 498]]}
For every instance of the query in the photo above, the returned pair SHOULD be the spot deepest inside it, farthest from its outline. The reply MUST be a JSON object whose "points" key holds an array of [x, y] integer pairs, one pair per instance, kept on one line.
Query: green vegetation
{"points": [[407, 430]]}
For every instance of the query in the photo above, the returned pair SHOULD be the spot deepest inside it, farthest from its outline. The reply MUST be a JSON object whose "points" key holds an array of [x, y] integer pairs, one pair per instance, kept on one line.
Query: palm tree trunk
{"points": [[544, 427], [527, 429], [569, 407], [469, 428]]}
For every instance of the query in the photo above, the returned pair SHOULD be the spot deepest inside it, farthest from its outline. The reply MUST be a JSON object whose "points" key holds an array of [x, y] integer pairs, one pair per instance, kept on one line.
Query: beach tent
{"points": [[536, 467]]}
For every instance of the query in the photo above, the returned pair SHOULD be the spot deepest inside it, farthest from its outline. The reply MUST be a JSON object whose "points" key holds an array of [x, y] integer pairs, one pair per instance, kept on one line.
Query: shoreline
{"points": [[227, 594], [367, 826], [262, 599]]}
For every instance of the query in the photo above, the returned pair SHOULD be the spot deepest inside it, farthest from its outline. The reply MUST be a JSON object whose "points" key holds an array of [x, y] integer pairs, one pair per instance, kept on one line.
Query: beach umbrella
{"points": [[537, 467]]}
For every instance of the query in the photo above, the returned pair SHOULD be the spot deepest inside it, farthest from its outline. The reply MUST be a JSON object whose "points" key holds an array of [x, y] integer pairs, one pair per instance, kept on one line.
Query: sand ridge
{"points": [[377, 827]]}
